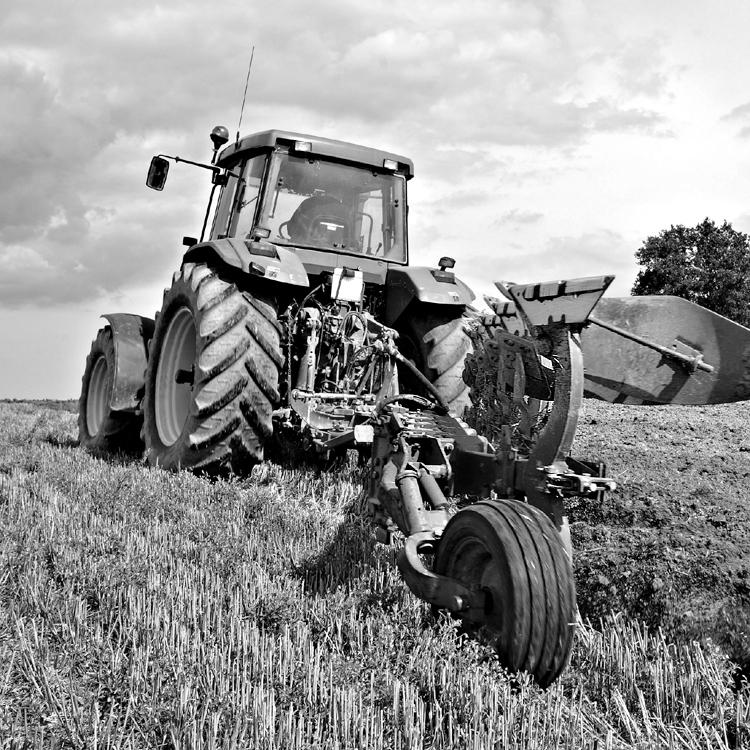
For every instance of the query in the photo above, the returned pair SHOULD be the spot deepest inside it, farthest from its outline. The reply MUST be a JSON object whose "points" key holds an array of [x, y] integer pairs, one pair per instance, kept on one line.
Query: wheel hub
{"points": [[97, 397], [173, 392]]}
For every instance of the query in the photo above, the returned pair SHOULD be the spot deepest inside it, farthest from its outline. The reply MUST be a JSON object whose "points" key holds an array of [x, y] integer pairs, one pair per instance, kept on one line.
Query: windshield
{"points": [[324, 205]]}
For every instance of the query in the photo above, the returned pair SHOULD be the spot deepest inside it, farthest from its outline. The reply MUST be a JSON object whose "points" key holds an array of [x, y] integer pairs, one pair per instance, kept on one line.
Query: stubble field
{"points": [[142, 609]]}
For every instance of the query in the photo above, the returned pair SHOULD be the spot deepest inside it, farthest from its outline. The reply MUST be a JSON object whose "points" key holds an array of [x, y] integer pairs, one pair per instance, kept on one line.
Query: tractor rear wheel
{"points": [[435, 339], [100, 429], [212, 375], [512, 552]]}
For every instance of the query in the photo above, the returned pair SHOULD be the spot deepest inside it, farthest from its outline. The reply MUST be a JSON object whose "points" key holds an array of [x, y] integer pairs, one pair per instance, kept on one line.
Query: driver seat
{"points": [[319, 217]]}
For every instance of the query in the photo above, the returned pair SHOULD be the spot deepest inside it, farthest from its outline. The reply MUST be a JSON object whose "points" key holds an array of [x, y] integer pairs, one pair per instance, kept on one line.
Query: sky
{"points": [[550, 138]]}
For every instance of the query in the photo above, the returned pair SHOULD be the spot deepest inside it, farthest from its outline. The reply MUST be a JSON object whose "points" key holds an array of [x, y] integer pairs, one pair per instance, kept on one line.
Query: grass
{"points": [[143, 609]]}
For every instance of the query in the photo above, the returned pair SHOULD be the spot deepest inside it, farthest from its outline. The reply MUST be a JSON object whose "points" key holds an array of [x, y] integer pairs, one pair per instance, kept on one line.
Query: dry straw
{"points": [[142, 609]]}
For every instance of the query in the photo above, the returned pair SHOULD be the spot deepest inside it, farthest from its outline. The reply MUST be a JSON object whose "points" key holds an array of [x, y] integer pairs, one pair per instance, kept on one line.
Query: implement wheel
{"points": [[212, 375], [513, 553], [101, 429]]}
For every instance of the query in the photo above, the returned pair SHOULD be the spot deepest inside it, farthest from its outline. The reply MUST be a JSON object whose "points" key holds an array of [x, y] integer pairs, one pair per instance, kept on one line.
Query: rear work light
{"points": [[302, 146], [390, 164]]}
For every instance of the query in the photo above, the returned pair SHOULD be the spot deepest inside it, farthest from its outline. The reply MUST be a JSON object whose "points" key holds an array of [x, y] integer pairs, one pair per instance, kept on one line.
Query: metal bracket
{"points": [[438, 590]]}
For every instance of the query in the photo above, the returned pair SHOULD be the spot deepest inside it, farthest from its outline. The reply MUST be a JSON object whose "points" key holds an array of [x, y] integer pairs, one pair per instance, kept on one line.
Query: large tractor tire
{"points": [[512, 552], [212, 375], [435, 339], [100, 429]]}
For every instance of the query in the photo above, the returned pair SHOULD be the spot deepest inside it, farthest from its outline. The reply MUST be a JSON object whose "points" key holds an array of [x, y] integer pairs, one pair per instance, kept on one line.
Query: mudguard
{"points": [[423, 284], [260, 259], [131, 334]]}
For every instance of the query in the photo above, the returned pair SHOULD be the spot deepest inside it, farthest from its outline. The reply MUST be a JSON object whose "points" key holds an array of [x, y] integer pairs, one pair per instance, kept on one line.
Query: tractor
{"points": [[297, 313]]}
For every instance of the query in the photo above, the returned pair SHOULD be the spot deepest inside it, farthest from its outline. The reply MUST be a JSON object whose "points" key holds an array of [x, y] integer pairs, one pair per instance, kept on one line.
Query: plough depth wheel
{"points": [[513, 553]]}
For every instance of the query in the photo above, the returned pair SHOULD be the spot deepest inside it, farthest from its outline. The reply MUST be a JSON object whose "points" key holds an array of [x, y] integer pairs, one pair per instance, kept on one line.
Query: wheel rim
{"points": [[172, 399], [97, 397]]}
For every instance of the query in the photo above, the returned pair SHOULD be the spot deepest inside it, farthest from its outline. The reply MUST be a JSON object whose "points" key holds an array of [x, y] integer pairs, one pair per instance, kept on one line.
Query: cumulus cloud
{"points": [[458, 200], [518, 216], [89, 94], [740, 115]]}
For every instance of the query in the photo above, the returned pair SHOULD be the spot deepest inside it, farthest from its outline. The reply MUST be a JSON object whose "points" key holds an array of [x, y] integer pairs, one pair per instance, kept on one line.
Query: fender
{"points": [[423, 284], [131, 334], [259, 259]]}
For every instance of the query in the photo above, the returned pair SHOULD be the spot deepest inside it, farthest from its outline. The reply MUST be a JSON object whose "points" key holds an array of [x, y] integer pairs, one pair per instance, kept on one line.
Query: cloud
{"points": [[740, 114], [601, 252], [68, 229], [89, 94], [455, 201], [518, 216], [642, 68], [38, 151]]}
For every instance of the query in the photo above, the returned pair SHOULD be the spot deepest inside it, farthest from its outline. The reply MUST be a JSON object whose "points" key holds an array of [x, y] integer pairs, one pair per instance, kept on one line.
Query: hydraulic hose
{"points": [[423, 380]]}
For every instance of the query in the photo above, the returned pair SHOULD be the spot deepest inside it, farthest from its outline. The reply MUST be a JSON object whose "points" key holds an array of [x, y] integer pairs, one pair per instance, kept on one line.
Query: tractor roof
{"points": [[318, 146]]}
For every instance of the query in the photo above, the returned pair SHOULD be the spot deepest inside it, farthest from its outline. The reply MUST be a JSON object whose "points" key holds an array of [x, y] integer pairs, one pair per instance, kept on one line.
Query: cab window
{"points": [[246, 202], [238, 199], [327, 205]]}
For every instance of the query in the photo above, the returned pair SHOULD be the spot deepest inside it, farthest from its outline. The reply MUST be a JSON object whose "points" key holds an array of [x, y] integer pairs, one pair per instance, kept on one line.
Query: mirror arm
{"points": [[216, 171], [213, 168], [176, 159]]}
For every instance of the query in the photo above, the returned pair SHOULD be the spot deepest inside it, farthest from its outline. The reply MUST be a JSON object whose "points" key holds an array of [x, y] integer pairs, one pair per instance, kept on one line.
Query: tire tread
{"points": [[238, 358]]}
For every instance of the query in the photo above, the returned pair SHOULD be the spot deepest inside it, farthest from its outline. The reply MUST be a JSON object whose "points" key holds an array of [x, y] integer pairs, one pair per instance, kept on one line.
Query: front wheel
{"points": [[212, 375], [512, 552]]}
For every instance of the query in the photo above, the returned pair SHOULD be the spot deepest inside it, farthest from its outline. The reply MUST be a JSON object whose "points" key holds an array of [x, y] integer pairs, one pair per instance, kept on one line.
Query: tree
{"points": [[705, 264]]}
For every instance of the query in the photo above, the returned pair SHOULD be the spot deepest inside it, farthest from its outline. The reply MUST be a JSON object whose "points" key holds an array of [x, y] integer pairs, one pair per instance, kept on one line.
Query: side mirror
{"points": [[157, 173]]}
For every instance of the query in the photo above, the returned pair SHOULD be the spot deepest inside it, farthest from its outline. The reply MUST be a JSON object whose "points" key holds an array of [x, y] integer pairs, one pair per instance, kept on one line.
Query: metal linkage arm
{"points": [[411, 472], [440, 591]]}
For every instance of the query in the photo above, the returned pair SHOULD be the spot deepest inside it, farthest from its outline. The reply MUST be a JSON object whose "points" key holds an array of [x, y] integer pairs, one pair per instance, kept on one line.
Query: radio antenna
{"points": [[244, 96]]}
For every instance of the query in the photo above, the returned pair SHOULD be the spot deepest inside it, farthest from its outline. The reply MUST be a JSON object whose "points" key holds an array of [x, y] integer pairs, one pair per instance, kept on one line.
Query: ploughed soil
{"points": [[671, 546]]}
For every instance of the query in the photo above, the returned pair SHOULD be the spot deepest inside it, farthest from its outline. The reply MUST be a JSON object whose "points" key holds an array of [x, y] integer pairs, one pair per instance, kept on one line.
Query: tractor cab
{"points": [[314, 193]]}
